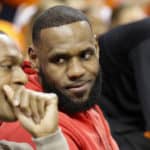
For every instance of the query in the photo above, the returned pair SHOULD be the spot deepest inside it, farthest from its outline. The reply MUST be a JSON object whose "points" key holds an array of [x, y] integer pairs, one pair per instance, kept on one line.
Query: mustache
{"points": [[77, 83], [65, 104]]}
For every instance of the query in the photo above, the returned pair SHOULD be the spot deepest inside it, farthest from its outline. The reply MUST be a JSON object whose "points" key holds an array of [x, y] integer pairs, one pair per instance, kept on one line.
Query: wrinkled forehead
{"points": [[8, 46], [5, 39]]}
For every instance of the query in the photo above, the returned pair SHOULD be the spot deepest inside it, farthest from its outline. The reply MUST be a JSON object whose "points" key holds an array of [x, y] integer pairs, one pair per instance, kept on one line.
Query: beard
{"points": [[65, 104]]}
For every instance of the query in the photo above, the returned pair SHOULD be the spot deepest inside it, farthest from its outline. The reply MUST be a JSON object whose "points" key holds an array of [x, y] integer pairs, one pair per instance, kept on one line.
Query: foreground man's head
{"points": [[10, 72]]}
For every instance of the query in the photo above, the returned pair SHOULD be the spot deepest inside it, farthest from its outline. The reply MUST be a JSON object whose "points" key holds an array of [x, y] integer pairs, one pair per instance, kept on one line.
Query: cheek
{"points": [[5, 79], [55, 74], [92, 67]]}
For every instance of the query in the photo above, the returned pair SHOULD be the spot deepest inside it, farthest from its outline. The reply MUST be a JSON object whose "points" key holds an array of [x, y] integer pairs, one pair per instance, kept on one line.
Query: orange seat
{"points": [[12, 31], [18, 2]]}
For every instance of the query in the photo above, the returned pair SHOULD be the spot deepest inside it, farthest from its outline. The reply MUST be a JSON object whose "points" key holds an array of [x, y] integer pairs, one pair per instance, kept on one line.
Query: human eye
{"points": [[6, 66], [59, 60], [87, 54]]}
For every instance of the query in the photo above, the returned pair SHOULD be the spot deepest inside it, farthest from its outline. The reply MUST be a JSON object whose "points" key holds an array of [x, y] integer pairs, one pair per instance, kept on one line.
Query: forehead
{"points": [[66, 36], [8, 47], [5, 39]]}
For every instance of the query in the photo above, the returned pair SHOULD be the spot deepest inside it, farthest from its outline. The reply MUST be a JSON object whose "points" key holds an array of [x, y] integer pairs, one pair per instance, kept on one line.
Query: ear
{"points": [[97, 47], [33, 58]]}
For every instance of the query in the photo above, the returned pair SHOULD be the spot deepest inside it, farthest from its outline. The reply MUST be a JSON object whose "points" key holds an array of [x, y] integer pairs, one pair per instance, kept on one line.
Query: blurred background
{"points": [[17, 16]]}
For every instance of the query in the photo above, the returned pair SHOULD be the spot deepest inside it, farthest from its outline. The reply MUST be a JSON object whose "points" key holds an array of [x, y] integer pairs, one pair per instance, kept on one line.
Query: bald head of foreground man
{"points": [[33, 110], [10, 73]]}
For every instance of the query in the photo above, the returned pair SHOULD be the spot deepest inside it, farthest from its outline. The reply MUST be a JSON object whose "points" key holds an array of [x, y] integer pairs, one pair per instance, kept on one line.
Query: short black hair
{"points": [[56, 16]]}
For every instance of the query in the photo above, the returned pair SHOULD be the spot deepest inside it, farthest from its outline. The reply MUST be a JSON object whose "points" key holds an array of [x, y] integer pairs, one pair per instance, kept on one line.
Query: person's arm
{"points": [[38, 114], [55, 141], [4, 145], [140, 60]]}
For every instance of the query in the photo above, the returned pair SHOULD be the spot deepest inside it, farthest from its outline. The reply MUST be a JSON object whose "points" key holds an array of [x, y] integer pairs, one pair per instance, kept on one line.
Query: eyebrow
{"points": [[56, 52], [64, 54], [12, 58]]}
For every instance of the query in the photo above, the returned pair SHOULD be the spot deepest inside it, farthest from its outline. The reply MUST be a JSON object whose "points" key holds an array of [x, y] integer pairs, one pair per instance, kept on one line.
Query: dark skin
{"points": [[66, 64]]}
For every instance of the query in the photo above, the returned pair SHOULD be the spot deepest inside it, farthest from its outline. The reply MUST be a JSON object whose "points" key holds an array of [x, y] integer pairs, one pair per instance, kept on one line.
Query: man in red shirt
{"points": [[68, 58]]}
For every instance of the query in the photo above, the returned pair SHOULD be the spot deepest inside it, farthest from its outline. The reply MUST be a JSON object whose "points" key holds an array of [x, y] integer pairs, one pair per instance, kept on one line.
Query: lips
{"points": [[78, 88]]}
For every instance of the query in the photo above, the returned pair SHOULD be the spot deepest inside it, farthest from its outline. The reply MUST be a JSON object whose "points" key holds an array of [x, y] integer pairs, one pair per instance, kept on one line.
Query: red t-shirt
{"points": [[85, 130]]}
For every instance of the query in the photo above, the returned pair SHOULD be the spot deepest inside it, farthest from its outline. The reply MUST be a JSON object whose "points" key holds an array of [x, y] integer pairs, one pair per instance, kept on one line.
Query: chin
{"points": [[78, 99], [72, 103]]}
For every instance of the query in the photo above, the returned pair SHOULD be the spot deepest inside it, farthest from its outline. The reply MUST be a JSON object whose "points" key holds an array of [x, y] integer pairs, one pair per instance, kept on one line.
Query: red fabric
{"points": [[85, 131], [15, 132], [33, 84], [27, 68], [33, 80]]}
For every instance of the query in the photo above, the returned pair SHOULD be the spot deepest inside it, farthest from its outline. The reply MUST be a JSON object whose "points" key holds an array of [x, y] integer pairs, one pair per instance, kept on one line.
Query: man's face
{"points": [[10, 70], [68, 59]]}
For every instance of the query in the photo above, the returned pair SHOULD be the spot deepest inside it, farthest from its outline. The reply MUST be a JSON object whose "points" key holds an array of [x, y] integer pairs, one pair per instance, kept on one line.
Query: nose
{"points": [[18, 76], [75, 69]]}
